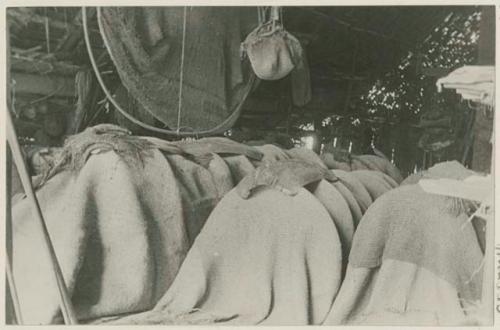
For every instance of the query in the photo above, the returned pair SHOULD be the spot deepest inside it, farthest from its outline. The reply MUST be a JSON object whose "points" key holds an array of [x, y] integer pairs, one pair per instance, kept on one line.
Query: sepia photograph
{"points": [[244, 165]]}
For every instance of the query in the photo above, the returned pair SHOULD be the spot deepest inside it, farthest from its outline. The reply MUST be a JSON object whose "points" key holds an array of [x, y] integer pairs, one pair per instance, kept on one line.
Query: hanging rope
{"points": [[181, 77], [47, 31], [217, 129]]}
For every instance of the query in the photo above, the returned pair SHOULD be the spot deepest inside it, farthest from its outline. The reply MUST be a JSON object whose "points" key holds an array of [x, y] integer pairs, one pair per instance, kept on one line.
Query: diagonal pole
{"points": [[13, 292], [65, 301], [14, 307]]}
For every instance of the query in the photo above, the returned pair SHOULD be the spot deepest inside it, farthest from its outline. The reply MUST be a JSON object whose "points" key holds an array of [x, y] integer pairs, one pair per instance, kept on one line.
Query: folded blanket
{"points": [[271, 259]]}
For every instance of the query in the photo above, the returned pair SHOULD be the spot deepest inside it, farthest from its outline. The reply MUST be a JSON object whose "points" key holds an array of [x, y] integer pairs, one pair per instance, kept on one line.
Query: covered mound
{"points": [[119, 235], [271, 259], [112, 205], [123, 211], [415, 260]]}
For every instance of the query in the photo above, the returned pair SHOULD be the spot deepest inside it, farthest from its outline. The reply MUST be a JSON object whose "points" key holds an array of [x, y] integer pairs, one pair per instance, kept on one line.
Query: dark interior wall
{"points": [[483, 125]]}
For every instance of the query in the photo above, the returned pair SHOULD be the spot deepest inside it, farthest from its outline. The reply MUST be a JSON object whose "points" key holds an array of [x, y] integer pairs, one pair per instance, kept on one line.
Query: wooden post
{"points": [[481, 148], [12, 308], [484, 159], [65, 301]]}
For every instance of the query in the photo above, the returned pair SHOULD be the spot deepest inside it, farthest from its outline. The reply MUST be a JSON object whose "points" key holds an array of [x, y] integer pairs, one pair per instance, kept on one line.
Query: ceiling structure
{"points": [[348, 48]]}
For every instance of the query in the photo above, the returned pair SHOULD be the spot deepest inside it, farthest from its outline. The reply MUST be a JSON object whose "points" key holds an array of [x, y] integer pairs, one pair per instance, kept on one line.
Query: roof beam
{"points": [[349, 26]]}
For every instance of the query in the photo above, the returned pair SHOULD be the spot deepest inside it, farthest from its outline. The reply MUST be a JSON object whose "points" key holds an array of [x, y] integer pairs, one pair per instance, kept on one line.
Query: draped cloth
{"points": [[414, 261], [146, 47], [118, 234], [271, 259]]}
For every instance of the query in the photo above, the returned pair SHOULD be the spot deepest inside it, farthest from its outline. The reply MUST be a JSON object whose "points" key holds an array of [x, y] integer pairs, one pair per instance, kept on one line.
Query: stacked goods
{"points": [[113, 201], [363, 162], [235, 272]]}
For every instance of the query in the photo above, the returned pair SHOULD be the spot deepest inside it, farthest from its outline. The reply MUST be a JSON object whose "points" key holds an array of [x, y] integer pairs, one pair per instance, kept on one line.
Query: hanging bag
{"points": [[270, 48]]}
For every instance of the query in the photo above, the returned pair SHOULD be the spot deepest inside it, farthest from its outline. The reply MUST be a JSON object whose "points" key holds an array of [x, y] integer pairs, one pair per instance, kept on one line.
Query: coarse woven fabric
{"points": [[288, 176], [398, 294], [272, 153], [383, 165], [333, 164], [408, 224], [307, 155], [390, 181], [444, 170], [239, 166], [219, 145], [221, 174], [200, 189], [356, 212], [339, 211], [145, 45], [272, 259], [103, 137], [356, 187], [363, 162], [407, 243], [118, 234], [374, 184], [268, 48], [300, 78], [357, 164]]}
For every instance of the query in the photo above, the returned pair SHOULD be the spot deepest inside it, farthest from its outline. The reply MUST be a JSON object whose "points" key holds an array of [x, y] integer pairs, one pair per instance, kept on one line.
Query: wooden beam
{"points": [[35, 18], [349, 26], [27, 64], [75, 32], [43, 85]]}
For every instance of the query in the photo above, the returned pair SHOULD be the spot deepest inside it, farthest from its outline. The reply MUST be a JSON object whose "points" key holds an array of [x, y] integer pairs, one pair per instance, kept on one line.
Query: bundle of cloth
{"points": [[125, 212], [472, 82], [415, 260]]}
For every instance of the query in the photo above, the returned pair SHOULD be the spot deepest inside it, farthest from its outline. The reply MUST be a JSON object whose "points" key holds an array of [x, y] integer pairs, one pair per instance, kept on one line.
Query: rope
{"points": [[217, 129], [47, 31], [181, 78]]}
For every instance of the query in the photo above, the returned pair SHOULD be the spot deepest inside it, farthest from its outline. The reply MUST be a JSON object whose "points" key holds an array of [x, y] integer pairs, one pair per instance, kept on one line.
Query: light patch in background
{"points": [[308, 141]]}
